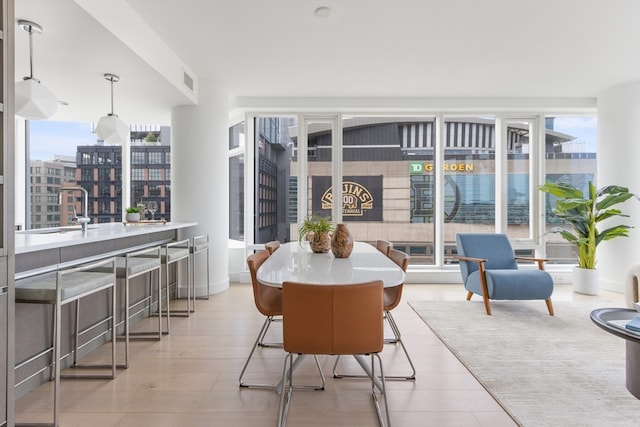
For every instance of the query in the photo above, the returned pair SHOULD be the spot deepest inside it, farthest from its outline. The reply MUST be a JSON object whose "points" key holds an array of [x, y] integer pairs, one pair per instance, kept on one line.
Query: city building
{"points": [[100, 173], [46, 180]]}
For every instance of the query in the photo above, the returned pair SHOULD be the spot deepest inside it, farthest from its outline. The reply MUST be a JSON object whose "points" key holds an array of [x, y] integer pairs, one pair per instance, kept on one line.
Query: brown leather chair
{"points": [[268, 301], [332, 320], [392, 297], [384, 246], [272, 246]]}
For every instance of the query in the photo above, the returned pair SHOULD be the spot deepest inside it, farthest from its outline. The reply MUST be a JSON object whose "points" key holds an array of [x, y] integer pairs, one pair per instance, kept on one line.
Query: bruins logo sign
{"points": [[361, 197], [355, 199]]}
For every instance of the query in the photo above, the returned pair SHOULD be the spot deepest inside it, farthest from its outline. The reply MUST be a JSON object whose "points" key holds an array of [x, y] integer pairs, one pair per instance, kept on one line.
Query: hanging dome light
{"points": [[110, 128], [33, 101]]}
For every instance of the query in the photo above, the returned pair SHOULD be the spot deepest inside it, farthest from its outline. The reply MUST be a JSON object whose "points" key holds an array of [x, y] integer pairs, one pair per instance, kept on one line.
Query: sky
{"points": [[49, 138], [583, 128]]}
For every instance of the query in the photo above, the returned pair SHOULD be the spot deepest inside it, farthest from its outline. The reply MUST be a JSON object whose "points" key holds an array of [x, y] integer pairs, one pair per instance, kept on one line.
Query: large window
{"points": [[413, 180], [67, 154], [236, 182], [570, 157]]}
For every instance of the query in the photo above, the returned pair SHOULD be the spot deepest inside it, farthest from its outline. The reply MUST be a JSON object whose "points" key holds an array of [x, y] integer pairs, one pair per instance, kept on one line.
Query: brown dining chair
{"points": [[268, 301], [352, 324], [392, 298], [384, 246], [272, 246]]}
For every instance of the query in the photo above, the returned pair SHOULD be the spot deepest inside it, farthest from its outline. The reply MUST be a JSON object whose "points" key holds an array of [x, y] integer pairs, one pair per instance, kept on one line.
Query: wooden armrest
{"points": [[524, 258], [472, 259], [540, 261]]}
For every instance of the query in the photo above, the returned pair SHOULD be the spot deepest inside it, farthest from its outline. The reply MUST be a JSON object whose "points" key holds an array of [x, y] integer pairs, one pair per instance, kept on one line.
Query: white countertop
{"points": [[295, 263], [48, 238]]}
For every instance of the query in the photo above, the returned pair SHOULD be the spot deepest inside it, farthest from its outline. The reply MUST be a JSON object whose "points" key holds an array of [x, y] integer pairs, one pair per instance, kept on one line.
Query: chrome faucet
{"points": [[83, 220]]}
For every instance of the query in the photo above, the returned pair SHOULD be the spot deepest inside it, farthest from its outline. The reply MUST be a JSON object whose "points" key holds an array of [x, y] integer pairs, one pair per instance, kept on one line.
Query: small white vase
{"points": [[585, 281], [132, 217]]}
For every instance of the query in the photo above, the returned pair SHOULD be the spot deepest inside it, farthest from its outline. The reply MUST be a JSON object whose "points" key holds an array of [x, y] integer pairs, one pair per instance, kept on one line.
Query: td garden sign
{"points": [[361, 197], [422, 167]]}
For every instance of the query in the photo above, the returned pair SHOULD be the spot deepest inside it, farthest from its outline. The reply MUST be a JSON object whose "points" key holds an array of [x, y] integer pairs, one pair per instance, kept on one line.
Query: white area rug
{"points": [[555, 371]]}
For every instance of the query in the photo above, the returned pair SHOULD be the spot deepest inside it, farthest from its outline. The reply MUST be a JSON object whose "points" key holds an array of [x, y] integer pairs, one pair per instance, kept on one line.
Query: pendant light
{"points": [[110, 128], [33, 100]]}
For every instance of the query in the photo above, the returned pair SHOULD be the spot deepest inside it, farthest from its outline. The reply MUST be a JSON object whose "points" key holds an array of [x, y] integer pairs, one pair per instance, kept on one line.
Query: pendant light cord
{"points": [[111, 96], [30, 53]]}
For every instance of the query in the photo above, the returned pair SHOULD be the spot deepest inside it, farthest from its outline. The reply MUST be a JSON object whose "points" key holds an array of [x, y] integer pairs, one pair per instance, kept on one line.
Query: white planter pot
{"points": [[585, 281], [132, 217]]}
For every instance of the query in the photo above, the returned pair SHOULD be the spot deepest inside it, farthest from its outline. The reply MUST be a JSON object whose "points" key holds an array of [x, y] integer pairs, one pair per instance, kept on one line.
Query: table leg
{"points": [[294, 365], [363, 362], [633, 367]]}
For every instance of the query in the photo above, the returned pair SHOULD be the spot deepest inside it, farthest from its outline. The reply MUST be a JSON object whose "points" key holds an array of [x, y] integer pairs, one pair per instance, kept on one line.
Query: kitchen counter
{"points": [[44, 250], [47, 249]]}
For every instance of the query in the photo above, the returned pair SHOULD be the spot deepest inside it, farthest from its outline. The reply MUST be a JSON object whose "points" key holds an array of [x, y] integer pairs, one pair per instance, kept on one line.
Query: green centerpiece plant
{"points": [[316, 230], [584, 212]]}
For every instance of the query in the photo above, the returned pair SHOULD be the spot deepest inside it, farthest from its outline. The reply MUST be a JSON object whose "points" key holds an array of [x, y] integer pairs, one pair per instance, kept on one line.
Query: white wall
{"points": [[199, 176], [618, 160]]}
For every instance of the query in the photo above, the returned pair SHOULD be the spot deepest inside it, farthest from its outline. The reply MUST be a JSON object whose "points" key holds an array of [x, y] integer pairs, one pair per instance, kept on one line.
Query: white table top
{"points": [[295, 263]]}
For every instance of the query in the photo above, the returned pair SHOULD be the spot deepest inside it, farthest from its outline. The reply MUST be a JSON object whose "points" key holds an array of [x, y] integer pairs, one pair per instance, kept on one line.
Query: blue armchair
{"points": [[489, 268]]}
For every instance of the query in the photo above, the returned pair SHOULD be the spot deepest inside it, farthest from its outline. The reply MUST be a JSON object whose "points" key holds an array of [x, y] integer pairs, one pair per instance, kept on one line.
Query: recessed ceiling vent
{"points": [[187, 80]]}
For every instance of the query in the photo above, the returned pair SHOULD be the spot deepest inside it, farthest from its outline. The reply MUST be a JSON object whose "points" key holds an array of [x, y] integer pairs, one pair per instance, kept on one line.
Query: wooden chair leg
{"points": [[469, 295], [487, 304], [549, 306]]}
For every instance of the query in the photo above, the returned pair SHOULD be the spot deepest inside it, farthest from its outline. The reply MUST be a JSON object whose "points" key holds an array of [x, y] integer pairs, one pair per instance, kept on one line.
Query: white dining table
{"points": [[295, 262]]}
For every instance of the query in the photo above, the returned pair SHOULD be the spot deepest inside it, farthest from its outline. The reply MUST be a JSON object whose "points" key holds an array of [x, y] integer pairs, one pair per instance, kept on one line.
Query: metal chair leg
{"points": [[263, 331], [397, 339]]}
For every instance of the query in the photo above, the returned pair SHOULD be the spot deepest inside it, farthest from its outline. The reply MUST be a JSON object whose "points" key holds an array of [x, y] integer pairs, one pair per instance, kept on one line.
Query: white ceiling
{"points": [[364, 48]]}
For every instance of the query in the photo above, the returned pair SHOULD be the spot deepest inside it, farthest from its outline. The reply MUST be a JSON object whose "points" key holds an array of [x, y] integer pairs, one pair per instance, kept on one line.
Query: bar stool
{"points": [[132, 265], [59, 289], [199, 244], [171, 254]]}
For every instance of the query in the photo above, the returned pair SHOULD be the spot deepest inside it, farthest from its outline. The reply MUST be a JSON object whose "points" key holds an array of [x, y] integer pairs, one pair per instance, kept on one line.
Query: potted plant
{"points": [[316, 230], [584, 212], [133, 214]]}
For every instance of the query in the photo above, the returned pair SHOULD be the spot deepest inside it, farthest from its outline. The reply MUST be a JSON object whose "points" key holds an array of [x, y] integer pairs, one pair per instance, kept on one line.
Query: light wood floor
{"points": [[190, 378]]}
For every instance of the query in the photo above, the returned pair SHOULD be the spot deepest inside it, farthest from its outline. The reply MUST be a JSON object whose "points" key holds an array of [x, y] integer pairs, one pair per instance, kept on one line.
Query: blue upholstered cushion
{"points": [[513, 285]]}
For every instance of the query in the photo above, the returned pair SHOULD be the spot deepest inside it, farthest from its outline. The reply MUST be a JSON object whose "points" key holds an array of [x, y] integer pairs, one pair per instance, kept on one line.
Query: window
{"points": [[104, 174], [137, 193], [137, 174], [104, 190], [87, 159], [155, 174], [104, 158], [155, 191], [570, 157], [138, 158], [95, 167], [236, 182], [463, 173], [155, 158]]}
